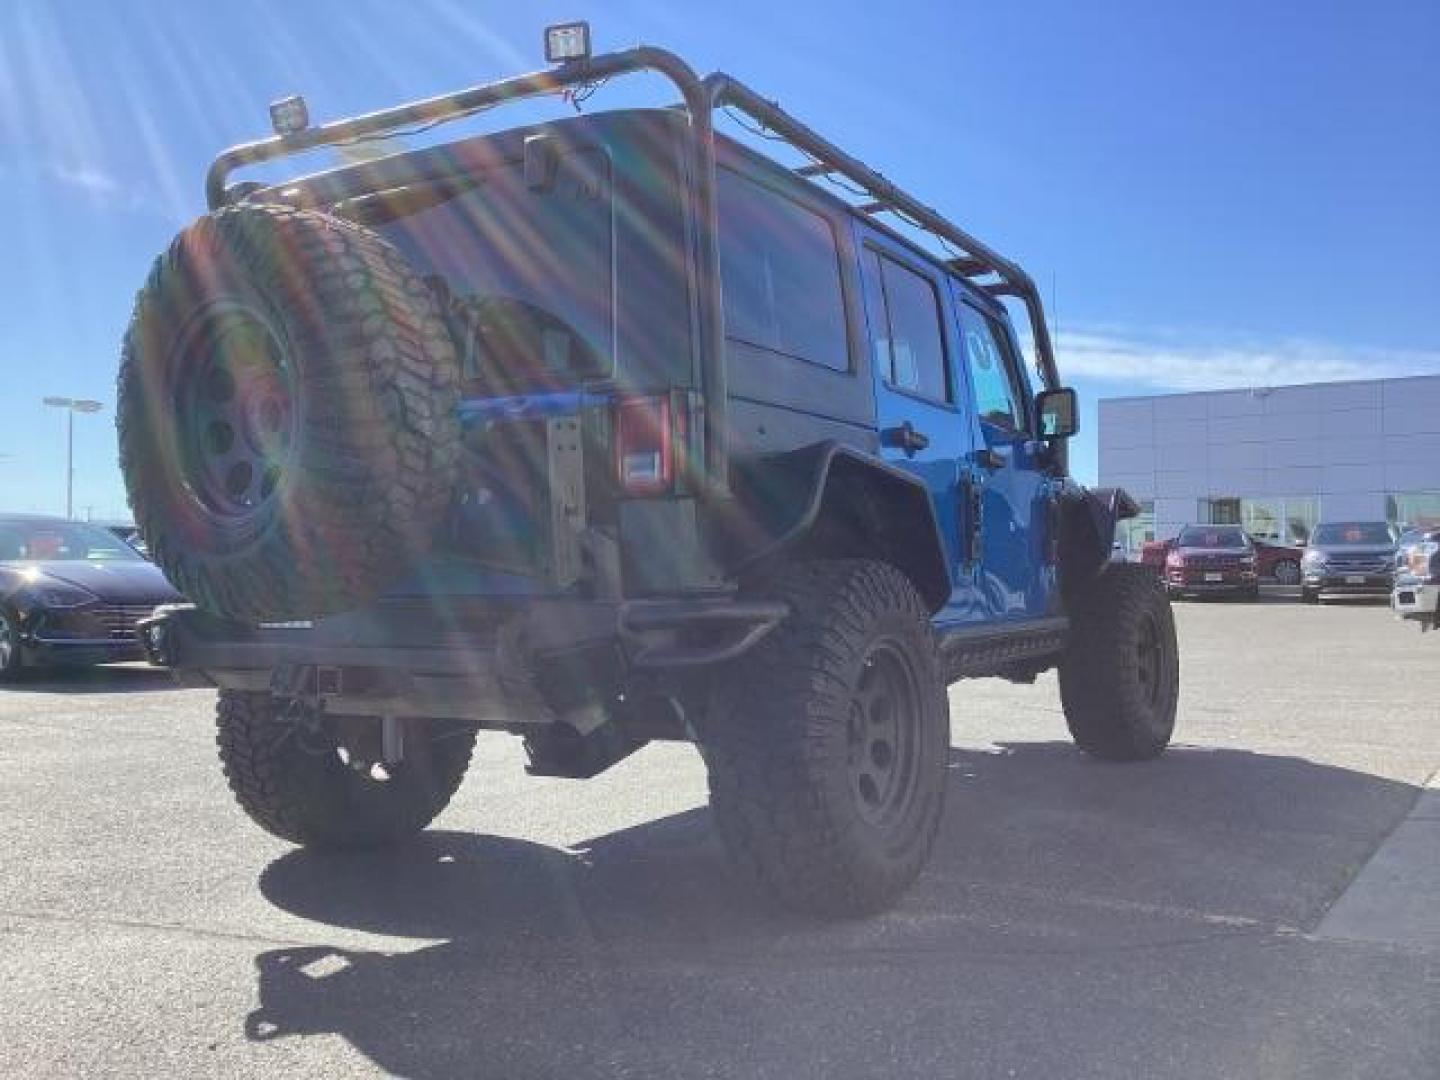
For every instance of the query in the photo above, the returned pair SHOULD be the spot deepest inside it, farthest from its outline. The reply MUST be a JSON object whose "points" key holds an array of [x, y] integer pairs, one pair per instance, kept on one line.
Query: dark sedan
{"points": [[70, 594]]}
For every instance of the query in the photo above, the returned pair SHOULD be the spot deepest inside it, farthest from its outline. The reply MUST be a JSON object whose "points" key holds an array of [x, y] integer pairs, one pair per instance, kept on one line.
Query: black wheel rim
{"points": [[7, 643], [883, 742], [236, 410], [1150, 660]]}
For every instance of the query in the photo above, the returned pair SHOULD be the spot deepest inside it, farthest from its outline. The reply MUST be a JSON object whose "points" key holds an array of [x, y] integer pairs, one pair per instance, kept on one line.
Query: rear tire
{"points": [[297, 788], [827, 745], [287, 413], [1120, 675]]}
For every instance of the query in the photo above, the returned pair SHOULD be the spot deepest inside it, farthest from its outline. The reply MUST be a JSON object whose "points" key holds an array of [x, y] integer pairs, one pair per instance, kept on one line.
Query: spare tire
{"points": [[287, 413]]}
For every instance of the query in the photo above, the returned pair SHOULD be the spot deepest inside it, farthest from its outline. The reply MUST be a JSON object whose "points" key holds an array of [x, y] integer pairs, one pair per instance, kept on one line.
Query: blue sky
{"points": [[1226, 194]]}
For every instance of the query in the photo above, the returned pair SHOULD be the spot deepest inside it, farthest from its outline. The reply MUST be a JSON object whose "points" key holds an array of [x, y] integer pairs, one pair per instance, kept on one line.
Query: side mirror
{"points": [[1058, 411]]}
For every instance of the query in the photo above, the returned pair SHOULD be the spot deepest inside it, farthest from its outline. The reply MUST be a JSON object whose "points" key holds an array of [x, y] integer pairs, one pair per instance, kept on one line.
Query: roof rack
{"points": [[973, 260]]}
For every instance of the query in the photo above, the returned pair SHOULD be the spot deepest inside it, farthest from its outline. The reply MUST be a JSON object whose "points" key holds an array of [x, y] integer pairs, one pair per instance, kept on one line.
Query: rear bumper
{"points": [[483, 663]]}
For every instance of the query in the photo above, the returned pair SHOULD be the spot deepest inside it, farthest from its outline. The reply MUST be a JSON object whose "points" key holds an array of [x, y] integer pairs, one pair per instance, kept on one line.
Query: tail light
{"points": [[659, 442], [644, 451]]}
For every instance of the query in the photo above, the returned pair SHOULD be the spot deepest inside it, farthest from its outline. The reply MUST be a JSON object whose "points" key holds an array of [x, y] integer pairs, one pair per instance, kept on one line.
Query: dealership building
{"points": [[1276, 459]]}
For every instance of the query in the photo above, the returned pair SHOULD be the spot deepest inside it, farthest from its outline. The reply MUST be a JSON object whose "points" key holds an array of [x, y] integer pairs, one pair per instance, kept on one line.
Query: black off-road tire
{"points": [[784, 740], [1120, 675], [1309, 596], [12, 661], [298, 789], [333, 383]]}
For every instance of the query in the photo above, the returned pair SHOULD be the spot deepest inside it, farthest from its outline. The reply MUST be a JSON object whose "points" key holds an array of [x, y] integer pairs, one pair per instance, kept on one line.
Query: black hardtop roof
{"points": [[417, 165]]}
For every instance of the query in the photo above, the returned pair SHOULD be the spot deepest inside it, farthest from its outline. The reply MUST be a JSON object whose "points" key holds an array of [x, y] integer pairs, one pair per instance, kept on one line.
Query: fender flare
{"points": [[1088, 517], [833, 501]]}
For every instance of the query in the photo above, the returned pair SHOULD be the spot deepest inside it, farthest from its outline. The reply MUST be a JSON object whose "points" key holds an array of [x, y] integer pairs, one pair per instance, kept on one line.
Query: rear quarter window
{"points": [[780, 272]]}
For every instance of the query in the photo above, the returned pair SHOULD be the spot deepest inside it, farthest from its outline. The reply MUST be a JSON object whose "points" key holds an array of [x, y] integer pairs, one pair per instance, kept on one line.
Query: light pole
{"points": [[71, 406]]}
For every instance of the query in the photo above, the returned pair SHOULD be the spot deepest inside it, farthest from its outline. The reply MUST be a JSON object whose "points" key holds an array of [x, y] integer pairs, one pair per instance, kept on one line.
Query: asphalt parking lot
{"points": [[1220, 913]]}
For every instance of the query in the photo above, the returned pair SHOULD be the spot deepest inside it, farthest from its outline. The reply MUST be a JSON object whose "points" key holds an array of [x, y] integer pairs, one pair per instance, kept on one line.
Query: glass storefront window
{"points": [[1219, 512], [1135, 531], [1262, 519], [1299, 515], [1281, 520], [1413, 508]]}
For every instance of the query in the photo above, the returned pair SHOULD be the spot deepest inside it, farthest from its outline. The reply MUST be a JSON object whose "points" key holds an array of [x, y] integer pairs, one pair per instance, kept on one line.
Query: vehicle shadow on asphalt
{"points": [[638, 952], [109, 679]]}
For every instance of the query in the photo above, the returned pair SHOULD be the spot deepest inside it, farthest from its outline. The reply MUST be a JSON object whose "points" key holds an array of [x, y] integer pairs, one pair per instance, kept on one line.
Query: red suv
{"points": [[1278, 561], [1212, 559]]}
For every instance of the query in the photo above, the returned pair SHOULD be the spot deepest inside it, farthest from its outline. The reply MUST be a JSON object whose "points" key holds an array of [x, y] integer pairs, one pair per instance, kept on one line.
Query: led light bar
{"points": [[289, 115], [567, 41]]}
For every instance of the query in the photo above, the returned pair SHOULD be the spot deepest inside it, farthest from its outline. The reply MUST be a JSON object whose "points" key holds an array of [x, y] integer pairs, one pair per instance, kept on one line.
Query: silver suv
{"points": [[1347, 558]]}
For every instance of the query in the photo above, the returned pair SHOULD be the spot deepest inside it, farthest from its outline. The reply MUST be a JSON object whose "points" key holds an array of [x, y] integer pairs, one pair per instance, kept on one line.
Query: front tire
{"points": [[1309, 596], [11, 660], [1120, 675], [826, 746], [295, 786]]}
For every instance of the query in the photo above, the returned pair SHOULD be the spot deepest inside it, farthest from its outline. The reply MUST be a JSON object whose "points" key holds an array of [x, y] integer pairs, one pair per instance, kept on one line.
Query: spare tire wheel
{"points": [[287, 413]]}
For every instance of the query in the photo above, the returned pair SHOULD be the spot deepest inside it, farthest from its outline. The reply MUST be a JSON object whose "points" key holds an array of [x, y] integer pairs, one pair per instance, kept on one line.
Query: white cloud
{"points": [[1170, 363], [87, 178]]}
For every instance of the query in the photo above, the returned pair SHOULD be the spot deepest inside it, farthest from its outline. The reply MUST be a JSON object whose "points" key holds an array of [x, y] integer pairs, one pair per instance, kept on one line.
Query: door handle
{"points": [[904, 437], [989, 459]]}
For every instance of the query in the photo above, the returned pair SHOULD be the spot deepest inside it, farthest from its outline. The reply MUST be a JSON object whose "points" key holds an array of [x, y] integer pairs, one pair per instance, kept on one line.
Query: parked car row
{"points": [[1341, 558]]}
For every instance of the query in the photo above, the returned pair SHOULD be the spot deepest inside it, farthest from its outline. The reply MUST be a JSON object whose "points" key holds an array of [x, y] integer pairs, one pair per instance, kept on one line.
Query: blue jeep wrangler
{"points": [[609, 430]]}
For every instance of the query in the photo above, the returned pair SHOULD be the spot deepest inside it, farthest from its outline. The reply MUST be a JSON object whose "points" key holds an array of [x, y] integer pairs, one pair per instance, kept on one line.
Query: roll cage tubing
{"points": [[701, 98]]}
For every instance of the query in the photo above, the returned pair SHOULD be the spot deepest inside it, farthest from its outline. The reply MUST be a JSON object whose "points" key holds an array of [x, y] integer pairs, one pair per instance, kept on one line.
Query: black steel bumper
{"points": [[456, 659]]}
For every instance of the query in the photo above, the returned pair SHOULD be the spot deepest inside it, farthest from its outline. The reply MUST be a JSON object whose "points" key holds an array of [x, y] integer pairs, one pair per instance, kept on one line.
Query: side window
{"points": [[905, 325], [994, 377], [780, 272]]}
